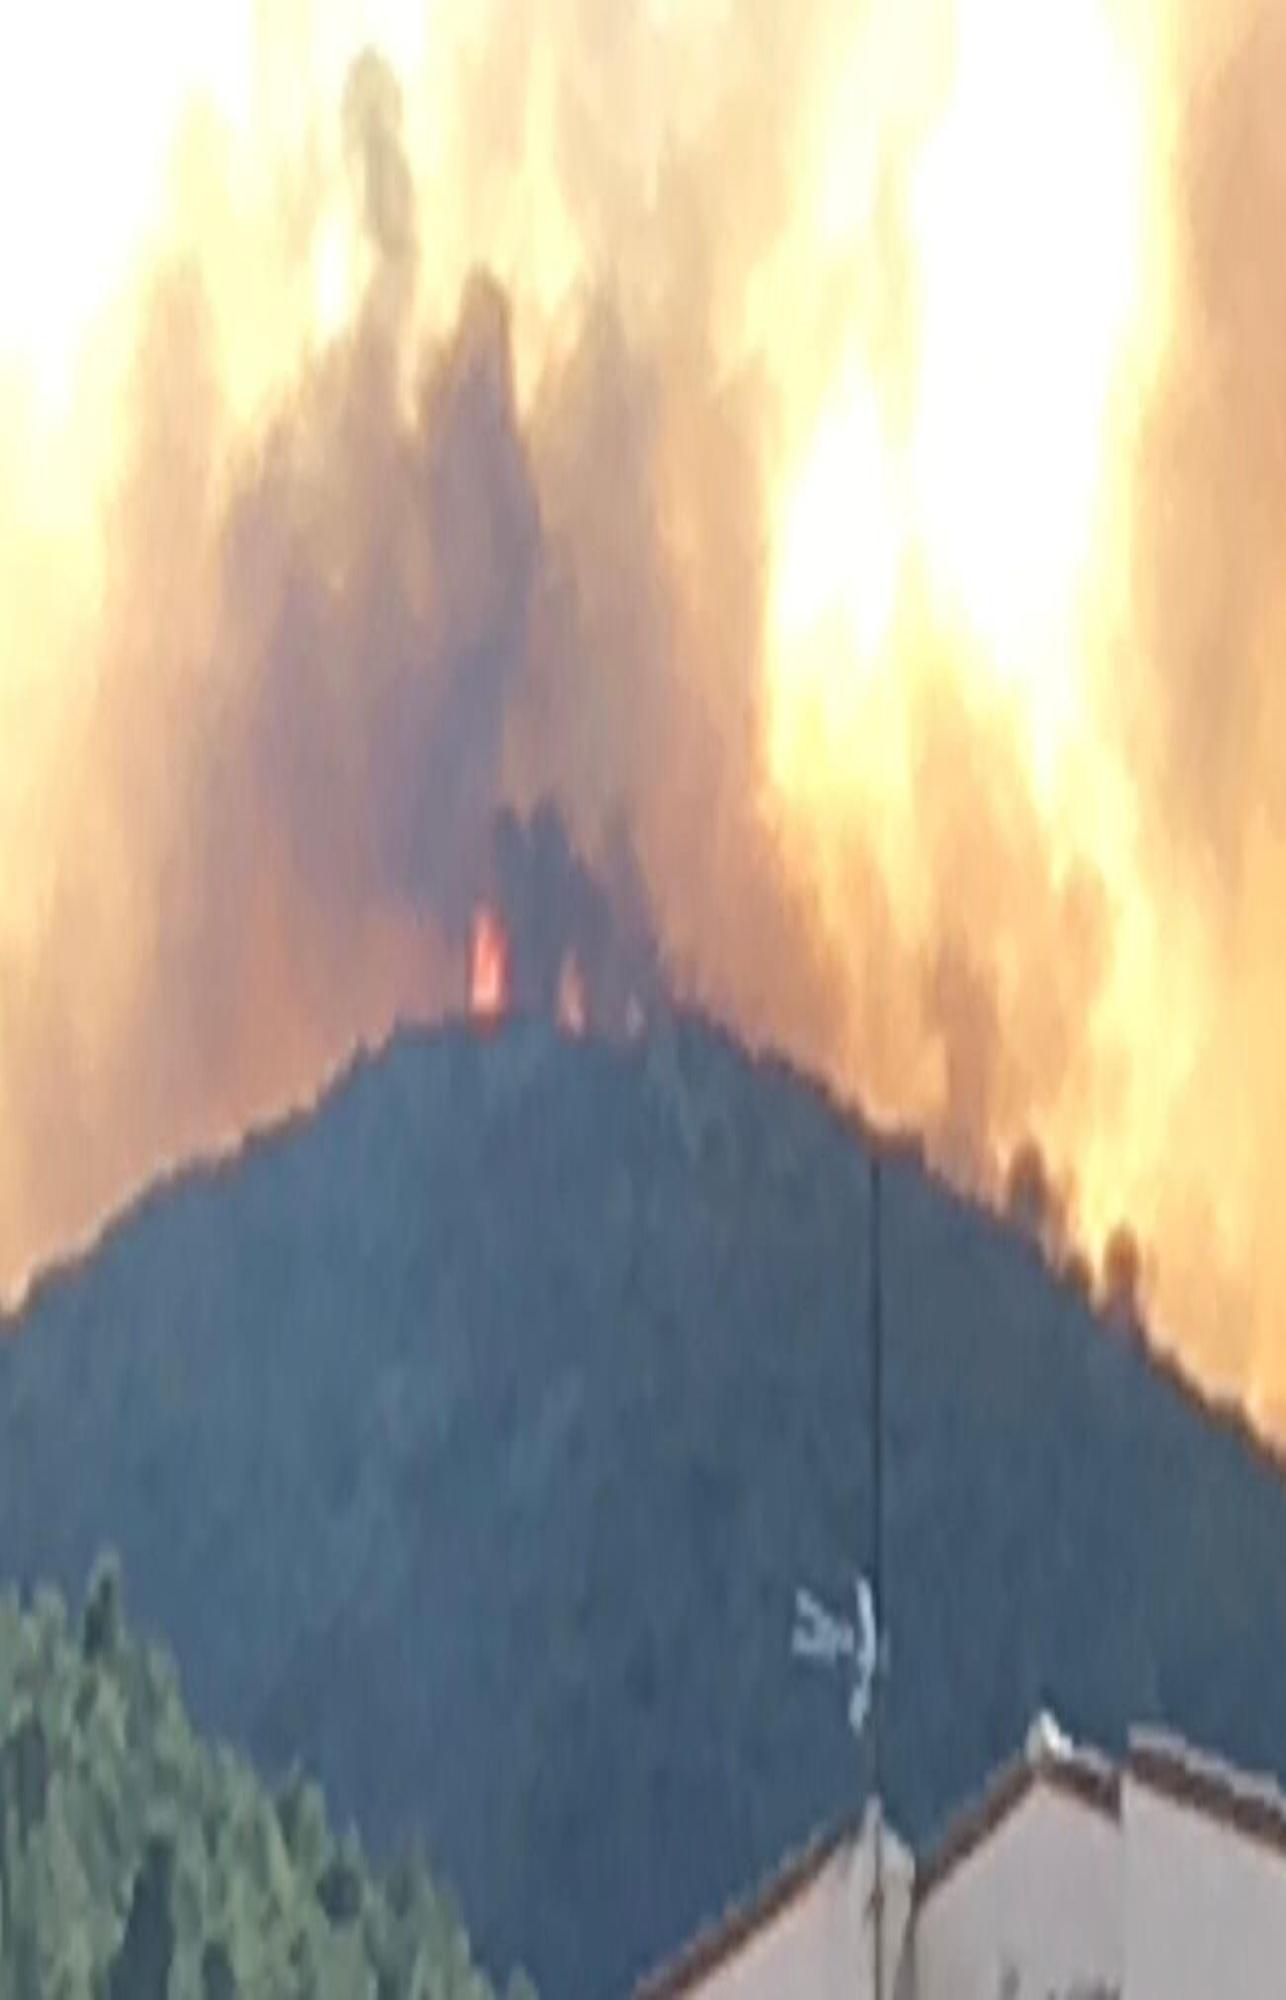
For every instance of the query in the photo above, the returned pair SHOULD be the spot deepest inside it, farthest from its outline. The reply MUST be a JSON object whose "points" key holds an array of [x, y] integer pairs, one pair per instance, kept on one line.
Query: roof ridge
{"points": [[1251, 1802], [1048, 1757], [744, 1916]]}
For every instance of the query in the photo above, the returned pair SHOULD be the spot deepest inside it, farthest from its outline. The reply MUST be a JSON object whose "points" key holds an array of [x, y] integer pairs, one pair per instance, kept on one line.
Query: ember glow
{"points": [[489, 996], [831, 453], [572, 1009]]}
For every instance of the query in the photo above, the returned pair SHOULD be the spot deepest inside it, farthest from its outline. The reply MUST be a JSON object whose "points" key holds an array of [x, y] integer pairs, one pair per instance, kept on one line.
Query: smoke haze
{"points": [[827, 465]]}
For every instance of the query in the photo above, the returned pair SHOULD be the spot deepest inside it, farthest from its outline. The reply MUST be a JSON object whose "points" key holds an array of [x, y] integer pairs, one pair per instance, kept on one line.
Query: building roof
{"points": [[723, 1938], [739, 1922], [1048, 1760], [1250, 1804]]}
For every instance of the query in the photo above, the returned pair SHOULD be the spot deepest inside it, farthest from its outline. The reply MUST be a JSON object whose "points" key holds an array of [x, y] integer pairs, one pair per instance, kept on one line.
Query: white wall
{"points": [[819, 1946], [1059, 1901], [1206, 1905], [1040, 1899]]}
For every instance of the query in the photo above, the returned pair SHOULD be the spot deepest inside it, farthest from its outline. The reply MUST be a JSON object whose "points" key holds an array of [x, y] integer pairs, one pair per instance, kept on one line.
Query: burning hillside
{"points": [[548, 938], [748, 505]]}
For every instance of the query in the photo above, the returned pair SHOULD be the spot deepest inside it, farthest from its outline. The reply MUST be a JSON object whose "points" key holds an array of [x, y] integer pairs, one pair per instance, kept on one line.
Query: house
{"points": [[808, 1931], [1205, 1876], [1070, 1878], [1023, 1893]]}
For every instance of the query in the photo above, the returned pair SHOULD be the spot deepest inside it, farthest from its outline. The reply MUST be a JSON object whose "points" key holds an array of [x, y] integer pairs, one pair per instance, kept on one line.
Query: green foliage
{"points": [[138, 1863]]}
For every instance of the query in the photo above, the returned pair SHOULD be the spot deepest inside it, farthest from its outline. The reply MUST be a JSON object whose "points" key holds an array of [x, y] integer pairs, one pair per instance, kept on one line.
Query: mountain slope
{"points": [[468, 1439]]}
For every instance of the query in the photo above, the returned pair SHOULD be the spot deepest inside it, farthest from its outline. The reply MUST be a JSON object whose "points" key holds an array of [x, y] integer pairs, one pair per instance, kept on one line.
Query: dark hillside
{"points": [[468, 1438]]}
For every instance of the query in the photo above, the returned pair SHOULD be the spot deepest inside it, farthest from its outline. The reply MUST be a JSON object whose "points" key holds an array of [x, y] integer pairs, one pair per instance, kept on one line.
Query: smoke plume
{"points": [[784, 502], [560, 920]]}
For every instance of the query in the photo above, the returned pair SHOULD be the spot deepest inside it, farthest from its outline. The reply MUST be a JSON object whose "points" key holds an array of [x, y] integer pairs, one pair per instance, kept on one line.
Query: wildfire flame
{"points": [[860, 475], [572, 1007], [488, 966]]}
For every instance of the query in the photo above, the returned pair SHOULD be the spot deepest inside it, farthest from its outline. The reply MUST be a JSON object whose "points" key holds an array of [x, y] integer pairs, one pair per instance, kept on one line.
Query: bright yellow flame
{"points": [[90, 104], [953, 499], [1026, 234], [333, 278], [842, 544], [95, 107], [1028, 224]]}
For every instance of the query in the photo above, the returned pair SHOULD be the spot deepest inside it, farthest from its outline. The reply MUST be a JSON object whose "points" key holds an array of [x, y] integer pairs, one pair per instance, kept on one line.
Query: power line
{"points": [[861, 1646], [877, 1569]]}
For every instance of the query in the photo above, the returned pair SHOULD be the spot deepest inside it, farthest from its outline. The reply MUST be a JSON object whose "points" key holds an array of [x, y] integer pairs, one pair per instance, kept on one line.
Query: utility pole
{"points": [[829, 1641], [877, 1569]]}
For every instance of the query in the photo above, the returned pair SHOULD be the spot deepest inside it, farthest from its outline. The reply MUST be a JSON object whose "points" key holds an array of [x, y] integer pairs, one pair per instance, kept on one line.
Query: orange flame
{"points": [[572, 1008], [488, 967]]}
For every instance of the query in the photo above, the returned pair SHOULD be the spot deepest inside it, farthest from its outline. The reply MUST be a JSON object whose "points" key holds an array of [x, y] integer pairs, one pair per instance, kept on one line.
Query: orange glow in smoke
{"points": [[572, 1009], [488, 967]]}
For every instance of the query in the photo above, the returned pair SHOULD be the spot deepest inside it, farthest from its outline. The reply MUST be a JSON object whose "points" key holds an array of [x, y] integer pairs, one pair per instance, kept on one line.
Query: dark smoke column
{"points": [[563, 920]]}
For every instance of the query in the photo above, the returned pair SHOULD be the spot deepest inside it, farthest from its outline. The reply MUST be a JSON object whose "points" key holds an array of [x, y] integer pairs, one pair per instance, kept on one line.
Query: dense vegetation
{"points": [[139, 1863], [468, 1441]]}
